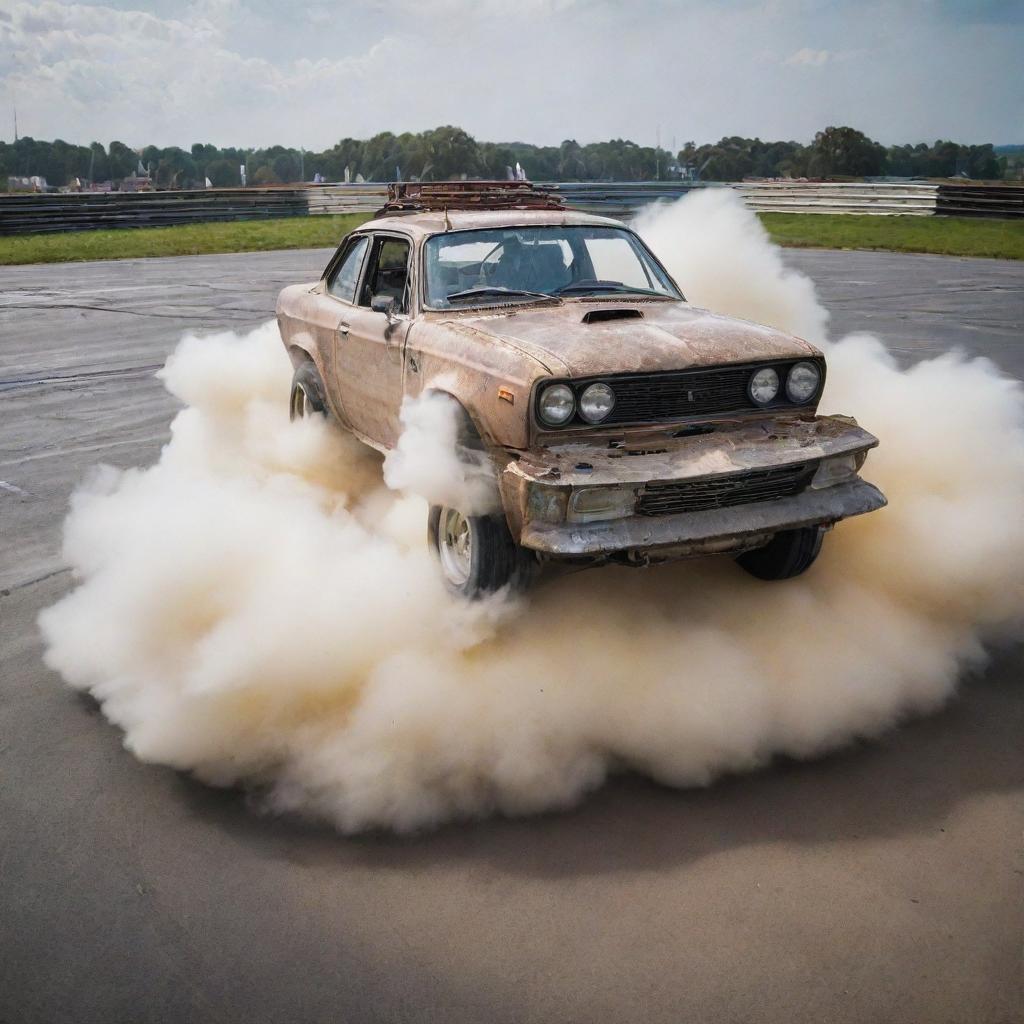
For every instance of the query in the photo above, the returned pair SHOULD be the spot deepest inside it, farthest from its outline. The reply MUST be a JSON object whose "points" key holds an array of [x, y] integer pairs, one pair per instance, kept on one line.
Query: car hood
{"points": [[665, 336]]}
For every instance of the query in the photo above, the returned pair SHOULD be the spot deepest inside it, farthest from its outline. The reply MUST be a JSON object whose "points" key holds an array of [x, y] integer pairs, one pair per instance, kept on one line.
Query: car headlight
{"points": [[802, 382], [596, 402], [557, 404], [836, 470], [593, 504], [764, 386]]}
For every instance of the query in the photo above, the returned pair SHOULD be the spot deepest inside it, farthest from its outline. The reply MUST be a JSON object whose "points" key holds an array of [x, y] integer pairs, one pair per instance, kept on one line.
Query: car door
{"points": [[333, 297], [371, 345]]}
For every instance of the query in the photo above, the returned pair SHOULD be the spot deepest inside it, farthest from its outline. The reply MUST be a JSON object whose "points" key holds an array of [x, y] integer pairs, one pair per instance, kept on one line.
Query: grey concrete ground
{"points": [[881, 884]]}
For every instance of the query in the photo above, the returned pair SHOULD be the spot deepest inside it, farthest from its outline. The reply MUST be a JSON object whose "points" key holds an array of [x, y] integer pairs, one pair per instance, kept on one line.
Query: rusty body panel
{"points": [[495, 356], [667, 335]]}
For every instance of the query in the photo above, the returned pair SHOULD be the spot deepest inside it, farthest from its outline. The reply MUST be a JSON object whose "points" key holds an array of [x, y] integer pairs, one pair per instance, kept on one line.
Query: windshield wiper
{"points": [[585, 287], [471, 293]]}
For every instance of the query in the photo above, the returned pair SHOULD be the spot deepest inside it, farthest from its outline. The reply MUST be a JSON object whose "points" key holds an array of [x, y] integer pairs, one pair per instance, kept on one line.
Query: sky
{"points": [[258, 72]]}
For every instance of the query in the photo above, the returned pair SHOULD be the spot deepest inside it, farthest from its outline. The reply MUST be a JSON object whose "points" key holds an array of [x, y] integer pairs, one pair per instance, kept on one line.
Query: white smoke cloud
{"points": [[722, 258], [259, 609], [429, 461]]}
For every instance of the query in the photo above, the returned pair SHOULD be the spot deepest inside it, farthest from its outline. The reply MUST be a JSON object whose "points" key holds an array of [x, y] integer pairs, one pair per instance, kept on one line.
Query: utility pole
{"points": [[302, 164], [15, 122], [657, 153]]}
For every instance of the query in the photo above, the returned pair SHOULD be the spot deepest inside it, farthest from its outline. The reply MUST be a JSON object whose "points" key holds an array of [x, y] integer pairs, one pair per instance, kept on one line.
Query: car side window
{"points": [[389, 273], [342, 283]]}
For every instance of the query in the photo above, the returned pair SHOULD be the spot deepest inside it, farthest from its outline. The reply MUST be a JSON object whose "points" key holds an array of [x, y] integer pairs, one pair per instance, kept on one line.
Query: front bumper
{"points": [[538, 489], [725, 529]]}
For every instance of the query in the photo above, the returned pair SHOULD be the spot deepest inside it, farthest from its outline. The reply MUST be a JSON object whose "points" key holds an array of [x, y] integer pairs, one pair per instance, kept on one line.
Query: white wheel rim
{"points": [[455, 545]]}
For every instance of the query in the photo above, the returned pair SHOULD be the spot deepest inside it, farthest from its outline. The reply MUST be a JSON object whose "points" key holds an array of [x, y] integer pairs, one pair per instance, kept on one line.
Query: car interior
{"points": [[388, 273]]}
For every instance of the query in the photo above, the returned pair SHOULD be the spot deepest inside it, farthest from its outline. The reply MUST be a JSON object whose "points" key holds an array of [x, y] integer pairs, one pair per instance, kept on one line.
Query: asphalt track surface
{"points": [[884, 883]]}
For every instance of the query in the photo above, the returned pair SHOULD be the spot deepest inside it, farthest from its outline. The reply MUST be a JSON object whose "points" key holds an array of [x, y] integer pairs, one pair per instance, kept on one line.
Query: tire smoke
{"points": [[429, 460], [260, 609]]}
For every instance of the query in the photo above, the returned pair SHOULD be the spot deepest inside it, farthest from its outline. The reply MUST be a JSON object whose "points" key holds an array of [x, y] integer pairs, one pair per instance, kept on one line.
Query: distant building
{"points": [[33, 183], [137, 183]]}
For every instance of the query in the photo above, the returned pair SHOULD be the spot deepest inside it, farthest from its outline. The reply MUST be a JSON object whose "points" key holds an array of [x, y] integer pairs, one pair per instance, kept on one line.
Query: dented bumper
{"points": [[727, 489]]}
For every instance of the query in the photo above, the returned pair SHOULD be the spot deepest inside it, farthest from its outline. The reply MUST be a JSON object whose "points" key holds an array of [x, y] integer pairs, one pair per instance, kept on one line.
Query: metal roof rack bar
{"points": [[422, 196]]}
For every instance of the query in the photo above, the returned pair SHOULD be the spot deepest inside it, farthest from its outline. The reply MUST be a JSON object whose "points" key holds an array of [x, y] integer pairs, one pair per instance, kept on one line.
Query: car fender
{"points": [[492, 383]]}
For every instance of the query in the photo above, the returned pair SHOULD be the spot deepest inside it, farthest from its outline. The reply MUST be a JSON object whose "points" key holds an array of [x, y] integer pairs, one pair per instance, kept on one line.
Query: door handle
{"points": [[343, 328]]}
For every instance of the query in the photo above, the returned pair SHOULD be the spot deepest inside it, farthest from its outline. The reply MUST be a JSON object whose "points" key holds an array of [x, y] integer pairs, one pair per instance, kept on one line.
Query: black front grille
{"points": [[676, 395], [673, 496], [673, 396]]}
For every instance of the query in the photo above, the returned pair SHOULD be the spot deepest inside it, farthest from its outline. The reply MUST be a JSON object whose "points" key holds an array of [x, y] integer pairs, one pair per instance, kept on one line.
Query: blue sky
{"points": [[254, 72]]}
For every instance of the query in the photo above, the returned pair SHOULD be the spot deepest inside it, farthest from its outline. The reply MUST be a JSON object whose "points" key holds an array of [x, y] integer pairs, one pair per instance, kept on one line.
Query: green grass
{"points": [[954, 236], [950, 236], [183, 240]]}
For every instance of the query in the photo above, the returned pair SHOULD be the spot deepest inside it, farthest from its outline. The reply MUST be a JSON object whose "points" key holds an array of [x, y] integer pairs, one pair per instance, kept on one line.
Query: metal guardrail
{"points": [[879, 198], [624, 199], [83, 211], [21, 214], [980, 201], [334, 199]]}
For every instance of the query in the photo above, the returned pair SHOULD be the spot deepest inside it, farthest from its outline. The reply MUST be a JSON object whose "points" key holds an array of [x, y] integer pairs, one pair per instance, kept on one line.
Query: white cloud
{"points": [[139, 76], [255, 72], [811, 58]]}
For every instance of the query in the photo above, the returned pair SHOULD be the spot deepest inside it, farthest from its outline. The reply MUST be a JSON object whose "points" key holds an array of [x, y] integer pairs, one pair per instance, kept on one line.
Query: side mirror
{"points": [[384, 304]]}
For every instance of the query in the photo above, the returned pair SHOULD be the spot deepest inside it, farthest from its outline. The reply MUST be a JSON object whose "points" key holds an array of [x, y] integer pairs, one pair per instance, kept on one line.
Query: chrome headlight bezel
{"points": [[550, 391], [605, 391], [804, 364], [769, 372]]}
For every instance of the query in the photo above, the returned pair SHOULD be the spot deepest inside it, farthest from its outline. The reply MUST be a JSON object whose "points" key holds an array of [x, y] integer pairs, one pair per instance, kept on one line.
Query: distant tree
{"points": [[175, 168], [204, 153], [121, 161], [99, 162], [845, 151], [495, 159], [285, 167], [265, 176], [982, 162], [222, 173], [572, 164], [450, 152], [150, 157]]}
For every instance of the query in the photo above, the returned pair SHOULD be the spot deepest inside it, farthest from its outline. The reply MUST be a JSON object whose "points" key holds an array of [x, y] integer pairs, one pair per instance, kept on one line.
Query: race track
{"points": [[884, 883]]}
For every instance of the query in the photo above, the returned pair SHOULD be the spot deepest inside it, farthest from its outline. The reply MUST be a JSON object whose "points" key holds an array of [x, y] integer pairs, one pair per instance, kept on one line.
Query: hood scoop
{"points": [[599, 316]]}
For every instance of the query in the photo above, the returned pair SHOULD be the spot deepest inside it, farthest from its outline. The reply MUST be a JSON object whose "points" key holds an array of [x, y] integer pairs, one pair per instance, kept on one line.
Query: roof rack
{"points": [[420, 196]]}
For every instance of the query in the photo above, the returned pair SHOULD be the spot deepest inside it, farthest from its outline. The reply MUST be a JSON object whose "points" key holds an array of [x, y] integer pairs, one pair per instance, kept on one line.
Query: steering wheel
{"points": [[488, 270]]}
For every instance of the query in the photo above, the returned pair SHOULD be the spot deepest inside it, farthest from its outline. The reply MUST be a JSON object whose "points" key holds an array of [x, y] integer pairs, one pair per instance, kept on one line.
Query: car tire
{"points": [[307, 395], [476, 554], [786, 555]]}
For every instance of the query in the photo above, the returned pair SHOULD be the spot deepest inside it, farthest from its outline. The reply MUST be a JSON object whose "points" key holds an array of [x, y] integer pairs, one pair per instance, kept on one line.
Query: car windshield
{"points": [[528, 264]]}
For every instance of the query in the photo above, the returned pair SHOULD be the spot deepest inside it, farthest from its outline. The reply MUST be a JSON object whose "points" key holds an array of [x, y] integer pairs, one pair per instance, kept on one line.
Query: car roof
{"points": [[421, 225]]}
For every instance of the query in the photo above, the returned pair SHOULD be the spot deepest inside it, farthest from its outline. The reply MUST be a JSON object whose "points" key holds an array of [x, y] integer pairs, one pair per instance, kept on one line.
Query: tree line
{"points": [[449, 152]]}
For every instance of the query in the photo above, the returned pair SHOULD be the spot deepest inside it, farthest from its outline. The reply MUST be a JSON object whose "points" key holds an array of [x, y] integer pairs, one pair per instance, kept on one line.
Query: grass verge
{"points": [[947, 236], [181, 240], [951, 236]]}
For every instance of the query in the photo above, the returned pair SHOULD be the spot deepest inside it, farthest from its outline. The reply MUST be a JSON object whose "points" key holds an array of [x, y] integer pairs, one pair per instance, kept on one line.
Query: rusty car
{"points": [[622, 423]]}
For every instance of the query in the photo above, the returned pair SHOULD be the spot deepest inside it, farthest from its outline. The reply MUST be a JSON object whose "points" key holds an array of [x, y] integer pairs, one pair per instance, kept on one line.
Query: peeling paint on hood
{"points": [[670, 336]]}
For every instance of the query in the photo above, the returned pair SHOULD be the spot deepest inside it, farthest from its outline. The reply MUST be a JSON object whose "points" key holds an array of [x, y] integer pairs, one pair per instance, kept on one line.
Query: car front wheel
{"points": [[786, 555], [307, 397], [476, 554]]}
